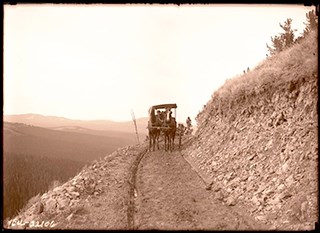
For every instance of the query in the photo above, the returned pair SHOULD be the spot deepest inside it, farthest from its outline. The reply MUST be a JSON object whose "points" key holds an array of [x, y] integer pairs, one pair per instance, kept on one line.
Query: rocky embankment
{"points": [[260, 146], [77, 203]]}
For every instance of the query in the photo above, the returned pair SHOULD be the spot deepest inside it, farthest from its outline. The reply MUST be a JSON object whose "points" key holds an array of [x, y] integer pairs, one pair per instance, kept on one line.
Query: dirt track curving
{"points": [[169, 195], [137, 190]]}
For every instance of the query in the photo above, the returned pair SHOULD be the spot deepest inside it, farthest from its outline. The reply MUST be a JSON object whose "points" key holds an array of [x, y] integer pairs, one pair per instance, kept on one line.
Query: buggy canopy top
{"points": [[162, 106]]}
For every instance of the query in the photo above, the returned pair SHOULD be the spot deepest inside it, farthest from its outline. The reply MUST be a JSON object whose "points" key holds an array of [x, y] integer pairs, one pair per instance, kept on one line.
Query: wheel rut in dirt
{"points": [[167, 194], [132, 182]]}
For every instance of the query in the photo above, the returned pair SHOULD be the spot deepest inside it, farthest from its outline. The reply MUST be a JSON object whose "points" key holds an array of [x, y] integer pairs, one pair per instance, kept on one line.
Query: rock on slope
{"points": [[257, 140], [105, 182]]}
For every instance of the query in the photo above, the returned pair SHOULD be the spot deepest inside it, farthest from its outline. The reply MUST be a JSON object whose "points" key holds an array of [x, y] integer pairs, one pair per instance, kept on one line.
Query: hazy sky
{"points": [[100, 61]]}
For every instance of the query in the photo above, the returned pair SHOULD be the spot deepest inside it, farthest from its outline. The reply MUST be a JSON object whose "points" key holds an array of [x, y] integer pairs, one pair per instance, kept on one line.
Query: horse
{"points": [[154, 131], [169, 133]]}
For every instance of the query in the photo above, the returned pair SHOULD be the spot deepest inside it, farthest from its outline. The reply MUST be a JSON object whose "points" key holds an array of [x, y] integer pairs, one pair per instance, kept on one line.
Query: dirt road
{"points": [[138, 190], [171, 196]]}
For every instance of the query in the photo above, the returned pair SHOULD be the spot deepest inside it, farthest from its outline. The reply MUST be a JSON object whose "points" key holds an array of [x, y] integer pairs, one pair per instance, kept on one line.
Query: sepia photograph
{"points": [[160, 117]]}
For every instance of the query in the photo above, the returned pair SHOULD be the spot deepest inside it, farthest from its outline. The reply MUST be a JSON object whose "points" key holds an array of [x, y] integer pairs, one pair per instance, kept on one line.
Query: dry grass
{"points": [[301, 60], [278, 72]]}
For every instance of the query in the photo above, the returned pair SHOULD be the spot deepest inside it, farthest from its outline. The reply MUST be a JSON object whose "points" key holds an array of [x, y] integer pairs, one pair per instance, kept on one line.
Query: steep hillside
{"points": [[106, 180], [257, 139]]}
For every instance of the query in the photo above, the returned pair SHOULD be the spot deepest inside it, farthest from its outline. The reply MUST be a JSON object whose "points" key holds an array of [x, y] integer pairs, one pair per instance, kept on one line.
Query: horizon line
{"points": [[67, 118]]}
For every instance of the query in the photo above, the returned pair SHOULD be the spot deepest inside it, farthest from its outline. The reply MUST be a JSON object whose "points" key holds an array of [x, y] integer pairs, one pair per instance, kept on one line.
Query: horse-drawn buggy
{"points": [[162, 121]]}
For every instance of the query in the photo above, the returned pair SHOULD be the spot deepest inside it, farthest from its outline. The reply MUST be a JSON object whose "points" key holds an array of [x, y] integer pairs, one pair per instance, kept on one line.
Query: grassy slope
{"points": [[285, 68]]}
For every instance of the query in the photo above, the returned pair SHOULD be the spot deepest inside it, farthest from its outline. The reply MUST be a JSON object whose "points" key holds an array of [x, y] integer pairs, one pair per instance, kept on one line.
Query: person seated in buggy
{"points": [[159, 116], [170, 115]]}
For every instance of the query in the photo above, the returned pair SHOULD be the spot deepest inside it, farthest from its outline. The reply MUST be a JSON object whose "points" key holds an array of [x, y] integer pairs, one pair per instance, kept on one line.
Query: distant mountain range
{"points": [[65, 124], [82, 146], [77, 140]]}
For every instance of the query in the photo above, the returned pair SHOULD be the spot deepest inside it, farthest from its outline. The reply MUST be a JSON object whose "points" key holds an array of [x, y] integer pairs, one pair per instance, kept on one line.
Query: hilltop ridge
{"points": [[55, 122]]}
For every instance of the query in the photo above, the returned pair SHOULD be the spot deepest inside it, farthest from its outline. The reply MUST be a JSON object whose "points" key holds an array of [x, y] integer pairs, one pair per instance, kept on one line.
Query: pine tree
{"points": [[284, 40], [288, 34], [277, 44], [311, 24]]}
